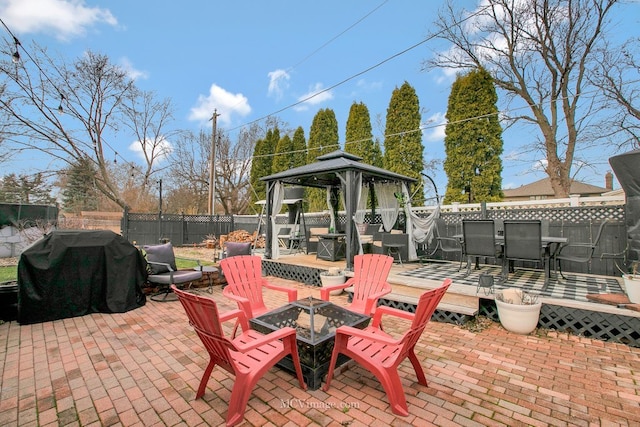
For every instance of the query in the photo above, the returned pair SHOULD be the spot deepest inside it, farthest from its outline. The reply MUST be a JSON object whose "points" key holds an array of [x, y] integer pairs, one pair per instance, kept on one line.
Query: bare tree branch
{"points": [[539, 52], [618, 77], [70, 111]]}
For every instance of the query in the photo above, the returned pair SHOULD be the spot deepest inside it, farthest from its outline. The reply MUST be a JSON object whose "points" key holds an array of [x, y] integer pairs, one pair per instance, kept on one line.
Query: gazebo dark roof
{"points": [[323, 172]]}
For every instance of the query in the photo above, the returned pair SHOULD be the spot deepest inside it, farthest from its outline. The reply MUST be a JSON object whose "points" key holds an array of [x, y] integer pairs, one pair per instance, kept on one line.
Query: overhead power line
{"points": [[16, 57], [296, 65]]}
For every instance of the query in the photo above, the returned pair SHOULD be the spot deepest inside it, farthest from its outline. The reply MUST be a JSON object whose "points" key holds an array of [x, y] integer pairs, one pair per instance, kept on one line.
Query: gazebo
{"points": [[341, 173]]}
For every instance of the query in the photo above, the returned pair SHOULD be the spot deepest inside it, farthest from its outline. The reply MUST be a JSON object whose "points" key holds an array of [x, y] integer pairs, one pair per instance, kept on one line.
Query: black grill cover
{"points": [[627, 169], [71, 273]]}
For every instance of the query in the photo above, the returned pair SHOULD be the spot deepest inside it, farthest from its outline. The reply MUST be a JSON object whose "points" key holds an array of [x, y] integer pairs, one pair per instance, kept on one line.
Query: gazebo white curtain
{"points": [[413, 255], [332, 220], [360, 204], [361, 209], [278, 197], [387, 203]]}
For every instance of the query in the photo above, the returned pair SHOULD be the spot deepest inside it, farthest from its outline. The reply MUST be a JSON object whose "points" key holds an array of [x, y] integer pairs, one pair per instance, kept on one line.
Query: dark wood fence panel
{"points": [[181, 230], [578, 224]]}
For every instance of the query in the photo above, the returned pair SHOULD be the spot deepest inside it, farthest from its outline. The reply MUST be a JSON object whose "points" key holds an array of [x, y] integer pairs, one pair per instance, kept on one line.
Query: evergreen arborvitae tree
{"points": [[262, 163], [298, 148], [10, 191], [282, 160], [25, 189], [257, 172], [377, 158], [80, 192], [359, 138], [403, 136], [323, 139], [473, 141]]}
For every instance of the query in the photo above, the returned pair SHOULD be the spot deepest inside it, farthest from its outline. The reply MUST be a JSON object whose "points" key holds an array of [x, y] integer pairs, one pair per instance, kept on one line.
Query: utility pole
{"points": [[212, 166], [160, 212]]}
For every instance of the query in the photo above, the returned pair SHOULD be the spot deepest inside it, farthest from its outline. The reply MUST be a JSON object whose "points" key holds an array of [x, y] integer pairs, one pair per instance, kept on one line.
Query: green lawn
{"points": [[8, 274]]}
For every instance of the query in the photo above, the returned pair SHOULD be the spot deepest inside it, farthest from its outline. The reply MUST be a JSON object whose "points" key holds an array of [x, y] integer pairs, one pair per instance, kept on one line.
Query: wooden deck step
{"points": [[458, 299], [407, 290], [453, 302]]}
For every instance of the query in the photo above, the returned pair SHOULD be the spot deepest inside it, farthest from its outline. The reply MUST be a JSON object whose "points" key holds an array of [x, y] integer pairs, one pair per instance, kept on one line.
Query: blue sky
{"points": [[249, 59]]}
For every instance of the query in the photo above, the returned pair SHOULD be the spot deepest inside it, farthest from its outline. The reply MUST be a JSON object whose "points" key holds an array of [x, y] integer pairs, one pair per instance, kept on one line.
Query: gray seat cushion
{"points": [[238, 248], [180, 276], [160, 254]]}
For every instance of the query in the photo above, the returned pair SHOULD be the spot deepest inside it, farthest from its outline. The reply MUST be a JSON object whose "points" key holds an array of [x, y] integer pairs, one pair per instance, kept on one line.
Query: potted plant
{"points": [[333, 276], [631, 283], [518, 311]]}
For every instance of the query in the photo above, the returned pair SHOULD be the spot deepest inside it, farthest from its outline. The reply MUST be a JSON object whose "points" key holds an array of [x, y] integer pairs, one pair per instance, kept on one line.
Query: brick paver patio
{"points": [[142, 368]]}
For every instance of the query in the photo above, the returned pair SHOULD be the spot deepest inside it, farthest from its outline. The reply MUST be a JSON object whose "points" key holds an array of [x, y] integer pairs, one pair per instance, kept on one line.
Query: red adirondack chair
{"points": [[381, 353], [248, 356], [369, 282], [245, 283]]}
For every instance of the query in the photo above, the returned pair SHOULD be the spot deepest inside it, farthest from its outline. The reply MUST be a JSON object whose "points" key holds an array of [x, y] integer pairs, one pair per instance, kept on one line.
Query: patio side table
{"points": [[332, 246]]}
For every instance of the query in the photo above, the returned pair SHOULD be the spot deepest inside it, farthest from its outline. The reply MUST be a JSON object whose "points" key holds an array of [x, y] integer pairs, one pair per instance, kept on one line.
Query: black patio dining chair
{"points": [[523, 242], [579, 252], [479, 240]]}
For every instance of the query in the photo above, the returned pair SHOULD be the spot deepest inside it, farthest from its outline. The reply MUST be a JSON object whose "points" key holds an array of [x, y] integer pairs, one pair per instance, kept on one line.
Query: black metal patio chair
{"points": [[579, 252], [523, 242], [444, 243], [479, 240]]}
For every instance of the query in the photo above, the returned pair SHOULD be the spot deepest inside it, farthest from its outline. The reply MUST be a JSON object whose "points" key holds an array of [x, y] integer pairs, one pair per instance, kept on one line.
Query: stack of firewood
{"points": [[242, 236]]}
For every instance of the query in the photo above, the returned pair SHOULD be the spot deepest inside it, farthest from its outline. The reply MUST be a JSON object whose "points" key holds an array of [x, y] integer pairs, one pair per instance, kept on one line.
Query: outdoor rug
{"points": [[576, 287]]}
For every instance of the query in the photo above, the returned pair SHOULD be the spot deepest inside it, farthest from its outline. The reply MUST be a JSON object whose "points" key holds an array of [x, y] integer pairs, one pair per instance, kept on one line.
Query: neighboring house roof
{"points": [[543, 188], [617, 192]]}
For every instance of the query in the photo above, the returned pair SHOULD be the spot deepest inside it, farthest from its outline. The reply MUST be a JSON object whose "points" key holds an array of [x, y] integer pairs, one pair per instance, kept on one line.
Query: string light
{"points": [[60, 109], [15, 57]]}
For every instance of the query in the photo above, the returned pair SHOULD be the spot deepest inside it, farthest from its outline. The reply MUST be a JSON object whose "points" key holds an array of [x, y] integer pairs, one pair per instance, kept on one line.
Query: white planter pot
{"points": [[632, 287], [520, 319], [333, 280]]}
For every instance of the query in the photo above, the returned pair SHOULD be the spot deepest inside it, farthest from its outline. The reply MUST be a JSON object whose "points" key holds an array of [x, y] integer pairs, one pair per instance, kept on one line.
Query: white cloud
{"points": [[539, 165], [161, 151], [63, 18], [227, 104], [278, 83], [133, 73], [436, 124], [316, 95], [363, 88], [448, 75], [369, 86]]}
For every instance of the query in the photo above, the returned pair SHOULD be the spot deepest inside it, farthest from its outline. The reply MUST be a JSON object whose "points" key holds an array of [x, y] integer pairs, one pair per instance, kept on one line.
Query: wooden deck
{"points": [[409, 280]]}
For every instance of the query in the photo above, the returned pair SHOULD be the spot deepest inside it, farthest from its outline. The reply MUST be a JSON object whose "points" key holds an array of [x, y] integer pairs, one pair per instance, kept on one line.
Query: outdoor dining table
{"points": [[550, 244], [315, 322]]}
